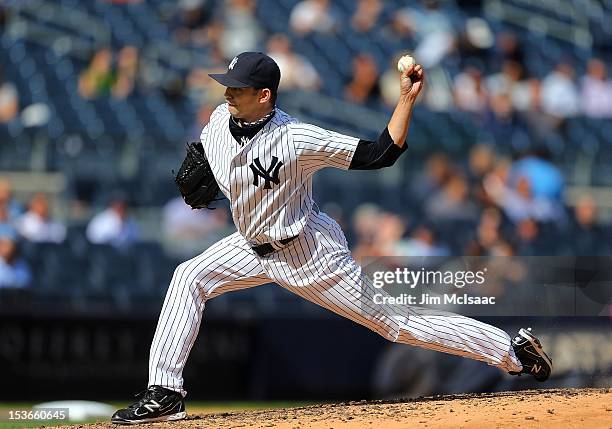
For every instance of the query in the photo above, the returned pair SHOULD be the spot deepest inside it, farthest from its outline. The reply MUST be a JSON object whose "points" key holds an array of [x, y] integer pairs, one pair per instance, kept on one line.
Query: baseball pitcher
{"points": [[263, 161]]}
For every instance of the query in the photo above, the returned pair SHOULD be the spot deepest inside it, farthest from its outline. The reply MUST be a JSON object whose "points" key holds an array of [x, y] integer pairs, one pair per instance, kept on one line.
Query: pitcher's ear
{"points": [[266, 95]]}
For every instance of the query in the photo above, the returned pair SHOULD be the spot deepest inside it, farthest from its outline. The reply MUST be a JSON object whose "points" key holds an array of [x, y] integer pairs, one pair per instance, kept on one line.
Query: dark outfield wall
{"points": [[46, 357]]}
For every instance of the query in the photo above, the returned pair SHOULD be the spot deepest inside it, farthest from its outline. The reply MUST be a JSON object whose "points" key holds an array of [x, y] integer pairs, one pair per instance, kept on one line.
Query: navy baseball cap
{"points": [[250, 69]]}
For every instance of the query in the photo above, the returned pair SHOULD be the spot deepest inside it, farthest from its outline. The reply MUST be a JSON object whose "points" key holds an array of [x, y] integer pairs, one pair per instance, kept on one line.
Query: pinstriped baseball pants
{"points": [[318, 267]]}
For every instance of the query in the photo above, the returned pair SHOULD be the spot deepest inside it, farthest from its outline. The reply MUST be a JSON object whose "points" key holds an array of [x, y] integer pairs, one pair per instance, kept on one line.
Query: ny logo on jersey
{"points": [[270, 174], [233, 63]]}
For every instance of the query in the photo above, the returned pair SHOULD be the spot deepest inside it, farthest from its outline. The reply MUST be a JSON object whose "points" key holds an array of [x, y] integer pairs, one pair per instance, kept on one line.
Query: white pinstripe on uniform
{"points": [[317, 265]]}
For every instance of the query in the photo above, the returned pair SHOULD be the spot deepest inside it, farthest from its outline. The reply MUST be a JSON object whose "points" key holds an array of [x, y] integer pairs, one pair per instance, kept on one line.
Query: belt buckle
{"points": [[266, 248]]}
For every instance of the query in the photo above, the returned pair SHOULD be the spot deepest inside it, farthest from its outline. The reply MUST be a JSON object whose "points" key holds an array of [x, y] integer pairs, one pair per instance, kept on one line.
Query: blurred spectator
{"points": [[596, 91], [202, 89], [97, 79], [191, 20], [432, 30], [6, 227], [481, 160], [488, 232], [528, 238], [172, 88], [545, 178], [469, 90], [541, 126], [587, 234], [36, 224], [507, 48], [505, 248], [389, 232], [534, 87], [422, 242], [180, 222], [9, 100], [509, 93], [366, 15], [241, 28], [126, 74], [363, 88], [13, 208], [438, 169], [585, 212], [4, 14], [14, 272], [502, 121], [559, 94], [113, 226], [365, 224], [510, 80], [518, 201], [425, 19], [202, 118], [197, 86], [312, 16], [296, 71], [476, 40], [398, 29], [452, 202]]}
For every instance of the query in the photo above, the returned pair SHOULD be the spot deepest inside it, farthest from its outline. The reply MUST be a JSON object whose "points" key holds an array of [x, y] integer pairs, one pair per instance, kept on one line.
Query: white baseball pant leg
{"points": [[319, 267], [227, 265]]}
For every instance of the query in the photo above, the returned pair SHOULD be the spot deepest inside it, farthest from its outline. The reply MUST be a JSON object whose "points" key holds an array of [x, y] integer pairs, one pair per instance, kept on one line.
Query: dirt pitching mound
{"points": [[554, 408]]}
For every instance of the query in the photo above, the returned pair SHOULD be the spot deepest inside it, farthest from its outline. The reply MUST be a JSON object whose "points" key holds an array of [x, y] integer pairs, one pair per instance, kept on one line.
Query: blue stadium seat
{"points": [[154, 270], [109, 269], [55, 268]]}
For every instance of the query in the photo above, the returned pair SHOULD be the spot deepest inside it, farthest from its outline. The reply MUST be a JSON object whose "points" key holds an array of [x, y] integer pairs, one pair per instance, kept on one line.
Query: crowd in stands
{"points": [[489, 205], [492, 77], [100, 78], [489, 75], [182, 228], [36, 224], [493, 206]]}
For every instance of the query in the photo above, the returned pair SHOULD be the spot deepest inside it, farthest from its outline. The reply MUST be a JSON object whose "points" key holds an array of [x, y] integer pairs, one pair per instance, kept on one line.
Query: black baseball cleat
{"points": [[528, 350], [156, 404]]}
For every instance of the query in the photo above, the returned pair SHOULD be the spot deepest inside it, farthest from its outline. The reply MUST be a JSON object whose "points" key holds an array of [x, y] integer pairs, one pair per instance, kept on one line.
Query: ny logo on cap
{"points": [[269, 175], [233, 63]]}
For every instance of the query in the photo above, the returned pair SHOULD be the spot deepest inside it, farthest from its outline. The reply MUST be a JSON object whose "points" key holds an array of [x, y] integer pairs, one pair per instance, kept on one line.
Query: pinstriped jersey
{"points": [[268, 179]]}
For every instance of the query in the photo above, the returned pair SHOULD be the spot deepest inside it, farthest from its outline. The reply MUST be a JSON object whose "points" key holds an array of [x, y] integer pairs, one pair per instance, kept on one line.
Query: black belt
{"points": [[267, 248]]}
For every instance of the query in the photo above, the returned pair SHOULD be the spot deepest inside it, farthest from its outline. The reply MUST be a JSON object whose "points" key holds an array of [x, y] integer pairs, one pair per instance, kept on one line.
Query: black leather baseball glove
{"points": [[195, 178]]}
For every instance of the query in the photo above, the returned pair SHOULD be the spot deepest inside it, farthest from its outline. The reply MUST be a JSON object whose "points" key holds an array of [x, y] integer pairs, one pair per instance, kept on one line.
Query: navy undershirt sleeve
{"points": [[381, 153]]}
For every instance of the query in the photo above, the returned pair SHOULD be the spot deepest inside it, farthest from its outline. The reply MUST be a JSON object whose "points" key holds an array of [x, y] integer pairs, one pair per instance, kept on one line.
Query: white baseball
{"points": [[404, 63]]}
